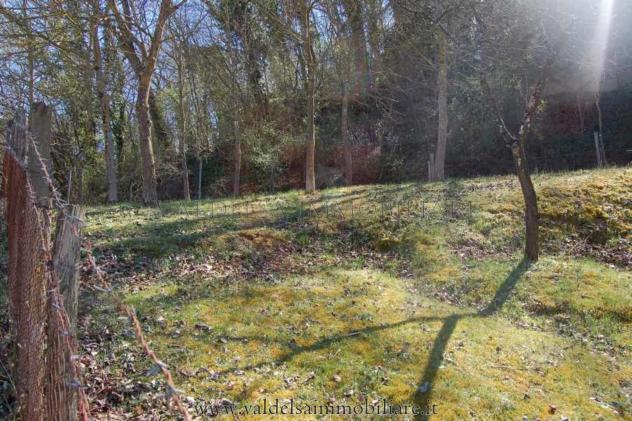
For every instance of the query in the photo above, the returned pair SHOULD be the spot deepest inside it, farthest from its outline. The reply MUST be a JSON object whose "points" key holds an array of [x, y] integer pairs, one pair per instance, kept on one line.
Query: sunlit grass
{"points": [[376, 334], [313, 296]]}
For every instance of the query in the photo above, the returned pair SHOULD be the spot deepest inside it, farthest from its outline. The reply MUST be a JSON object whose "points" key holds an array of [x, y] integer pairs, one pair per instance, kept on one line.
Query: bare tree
{"points": [[143, 59], [517, 143]]}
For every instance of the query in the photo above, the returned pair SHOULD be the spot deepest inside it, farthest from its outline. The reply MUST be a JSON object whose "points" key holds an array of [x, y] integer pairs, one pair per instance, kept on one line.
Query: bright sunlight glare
{"points": [[599, 46]]}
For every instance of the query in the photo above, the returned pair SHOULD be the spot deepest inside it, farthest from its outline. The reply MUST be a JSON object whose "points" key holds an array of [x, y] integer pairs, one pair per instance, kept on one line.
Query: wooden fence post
{"points": [[41, 132], [61, 396]]}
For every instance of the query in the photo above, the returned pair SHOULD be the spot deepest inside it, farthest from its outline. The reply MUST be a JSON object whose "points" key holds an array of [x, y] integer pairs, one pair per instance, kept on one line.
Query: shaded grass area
{"points": [[378, 305]]}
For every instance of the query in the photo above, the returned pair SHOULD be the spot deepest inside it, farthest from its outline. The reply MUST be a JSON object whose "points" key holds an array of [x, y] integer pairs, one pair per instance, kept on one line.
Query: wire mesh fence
{"points": [[42, 281]]}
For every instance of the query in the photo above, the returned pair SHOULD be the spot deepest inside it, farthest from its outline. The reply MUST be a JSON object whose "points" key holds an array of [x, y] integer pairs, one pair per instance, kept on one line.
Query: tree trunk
{"points": [[186, 195], [143, 65], [598, 150], [375, 28], [104, 100], [346, 141], [182, 129], [29, 56], [601, 149], [110, 152], [150, 194], [353, 9], [517, 145], [199, 180], [310, 138], [522, 169], [530, 200], [442, 105], [310, 146], [160, 130], [237, 159]]}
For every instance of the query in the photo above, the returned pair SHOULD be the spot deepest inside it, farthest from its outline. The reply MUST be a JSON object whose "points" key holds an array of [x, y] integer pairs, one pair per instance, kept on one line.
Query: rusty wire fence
{"points": [[42, 284]]}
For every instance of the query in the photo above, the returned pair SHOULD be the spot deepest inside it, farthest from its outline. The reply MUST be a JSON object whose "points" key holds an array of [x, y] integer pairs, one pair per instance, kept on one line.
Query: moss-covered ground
{"points": [[412, 293]]}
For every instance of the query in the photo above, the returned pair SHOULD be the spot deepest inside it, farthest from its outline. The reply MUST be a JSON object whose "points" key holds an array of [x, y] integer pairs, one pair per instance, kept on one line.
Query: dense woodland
{"points": [[180, 99]]}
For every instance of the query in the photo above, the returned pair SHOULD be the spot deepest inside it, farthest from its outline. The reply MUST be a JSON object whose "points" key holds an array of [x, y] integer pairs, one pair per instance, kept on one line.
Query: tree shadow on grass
{"points": [[436, 355], [423, 393], [322, 343]]}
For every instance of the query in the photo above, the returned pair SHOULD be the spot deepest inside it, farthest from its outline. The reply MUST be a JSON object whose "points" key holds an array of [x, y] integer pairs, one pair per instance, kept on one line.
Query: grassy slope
{"points": [[387, 301]]}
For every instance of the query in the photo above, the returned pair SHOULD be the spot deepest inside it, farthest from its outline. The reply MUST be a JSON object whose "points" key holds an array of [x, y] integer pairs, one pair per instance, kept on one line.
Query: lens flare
{"points": [[599, 46]]}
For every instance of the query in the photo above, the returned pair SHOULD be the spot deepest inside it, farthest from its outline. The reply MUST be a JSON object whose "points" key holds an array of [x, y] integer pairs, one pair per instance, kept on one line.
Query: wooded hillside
{"points": [[165, 99]]}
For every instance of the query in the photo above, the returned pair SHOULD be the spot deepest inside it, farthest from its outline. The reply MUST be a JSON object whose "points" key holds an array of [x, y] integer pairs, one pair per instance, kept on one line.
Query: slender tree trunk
{"points": [[110, 151], [236, 158], [186, 195], [310, 146], [375, 28], [344, 129], [31, 67], [344, 68], [518, 151], [104, 100], [310, 138], [442, 105], [150, 193], [29, 57], [182, 129], [361, 74], [522, 169], [353, 9], [530, 200], [111, 154], [598, 150], [199, 179], [601, 149]]}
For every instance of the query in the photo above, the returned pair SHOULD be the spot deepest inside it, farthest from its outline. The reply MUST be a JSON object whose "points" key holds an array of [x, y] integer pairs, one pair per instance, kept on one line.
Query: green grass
{"points": [[319, 295]]}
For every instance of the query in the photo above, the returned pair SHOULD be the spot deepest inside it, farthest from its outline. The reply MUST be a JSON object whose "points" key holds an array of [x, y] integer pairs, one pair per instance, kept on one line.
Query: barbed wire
{"points": [[57, 302], [69, 340], [172, 391]]}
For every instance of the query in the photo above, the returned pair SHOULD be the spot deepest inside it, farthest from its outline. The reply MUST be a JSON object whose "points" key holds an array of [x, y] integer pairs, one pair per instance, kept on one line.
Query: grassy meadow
{"points": [[409, 294]]}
